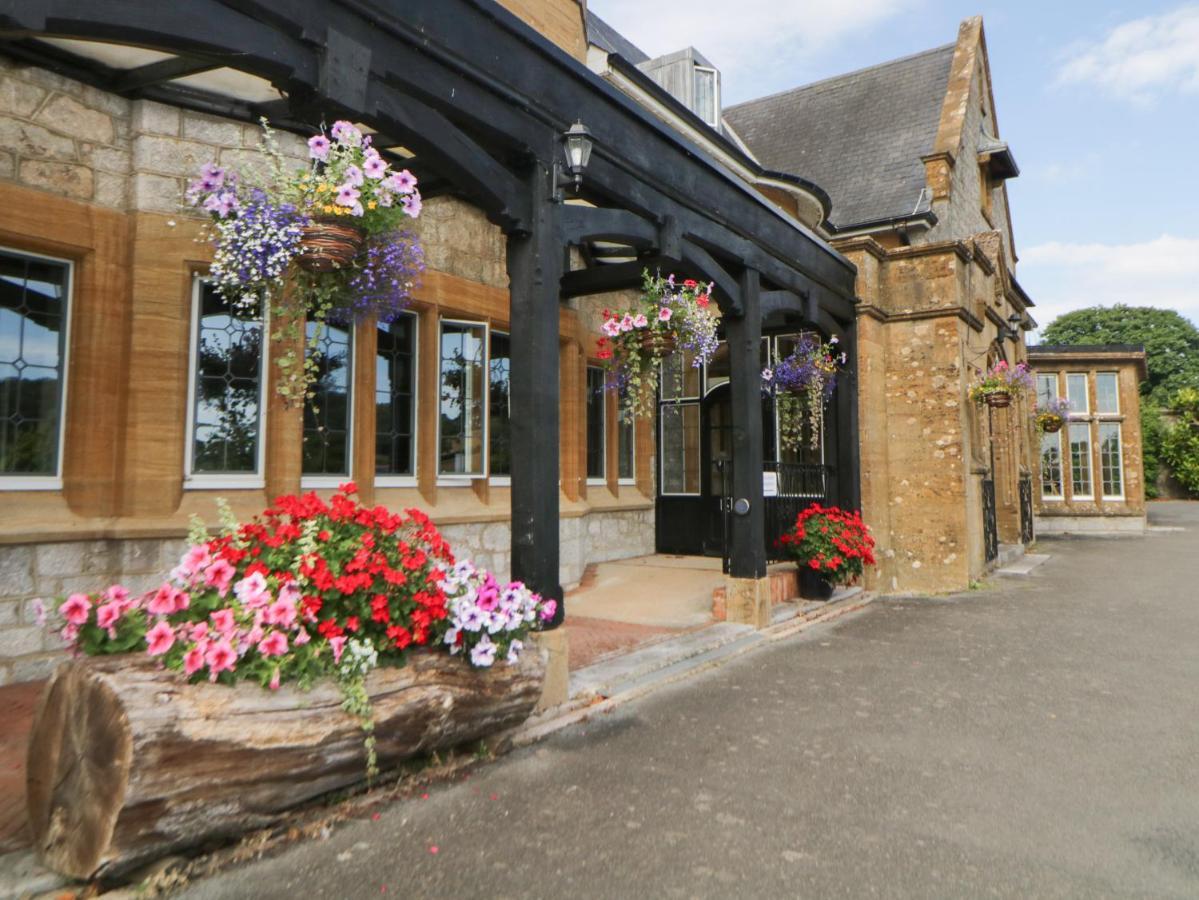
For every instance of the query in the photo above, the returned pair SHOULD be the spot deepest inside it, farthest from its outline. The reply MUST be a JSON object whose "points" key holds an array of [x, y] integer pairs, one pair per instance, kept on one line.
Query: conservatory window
{"points": [[1111, 461], [1080, 460], [1076, 393], [462, 399], [327, 413], [1051, 466], [225, 420], [34, 306], [1107, 393], [597, 404], [395, 399]]}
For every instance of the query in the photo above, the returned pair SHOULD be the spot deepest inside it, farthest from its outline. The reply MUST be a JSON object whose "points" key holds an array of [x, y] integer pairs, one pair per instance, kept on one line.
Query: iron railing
{"points": [[990, 525]]}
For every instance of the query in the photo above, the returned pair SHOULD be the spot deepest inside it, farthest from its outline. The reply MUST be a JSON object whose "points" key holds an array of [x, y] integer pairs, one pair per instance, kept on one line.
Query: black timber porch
{"points": [[482, 100]]}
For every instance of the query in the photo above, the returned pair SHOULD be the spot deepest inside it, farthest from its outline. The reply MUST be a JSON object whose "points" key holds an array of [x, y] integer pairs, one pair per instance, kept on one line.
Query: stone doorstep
{"points": [[649, 664], [1008, 554], [783, 584], [1024, 566]]}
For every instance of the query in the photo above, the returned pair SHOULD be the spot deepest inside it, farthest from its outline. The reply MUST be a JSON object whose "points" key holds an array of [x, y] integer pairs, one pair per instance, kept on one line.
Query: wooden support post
{"points": [[849, 455], [535, 263], [747, 553]]}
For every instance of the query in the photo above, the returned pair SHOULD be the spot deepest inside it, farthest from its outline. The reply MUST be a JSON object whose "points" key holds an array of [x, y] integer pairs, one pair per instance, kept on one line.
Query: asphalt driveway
{"points": [[1038, 737]]}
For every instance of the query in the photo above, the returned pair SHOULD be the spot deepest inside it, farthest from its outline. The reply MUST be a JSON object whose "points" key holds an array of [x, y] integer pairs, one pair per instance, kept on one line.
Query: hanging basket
{"points": [[658, 343], [1051, 424], [999, 401], [329, 244]]}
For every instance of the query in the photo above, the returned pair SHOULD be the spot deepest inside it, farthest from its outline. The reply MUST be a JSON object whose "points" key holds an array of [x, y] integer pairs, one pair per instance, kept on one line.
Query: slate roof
{"points": [[859, 136], [610, 40]]}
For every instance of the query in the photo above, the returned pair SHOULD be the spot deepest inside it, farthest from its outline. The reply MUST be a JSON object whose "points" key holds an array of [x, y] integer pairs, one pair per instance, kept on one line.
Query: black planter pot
{"points": [[813, 585]]}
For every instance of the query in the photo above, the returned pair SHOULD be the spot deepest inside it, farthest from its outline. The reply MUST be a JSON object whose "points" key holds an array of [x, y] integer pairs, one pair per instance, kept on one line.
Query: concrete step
{"points": [[784, 612], [1024, 566], [1008, 554], [609, 676]]}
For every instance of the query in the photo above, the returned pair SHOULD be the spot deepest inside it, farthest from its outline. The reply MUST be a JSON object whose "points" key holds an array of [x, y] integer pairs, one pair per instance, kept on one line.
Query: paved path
{"points": [[1036, 738]]}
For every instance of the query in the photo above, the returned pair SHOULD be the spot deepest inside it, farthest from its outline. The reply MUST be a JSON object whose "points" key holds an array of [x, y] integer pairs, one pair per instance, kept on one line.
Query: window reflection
{"points": [[462, 399], [327, 412], [395, 409]]}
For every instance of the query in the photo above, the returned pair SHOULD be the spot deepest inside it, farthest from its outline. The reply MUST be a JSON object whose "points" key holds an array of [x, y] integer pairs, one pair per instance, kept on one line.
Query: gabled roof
{"points": [[610, 40], [859, 136]]}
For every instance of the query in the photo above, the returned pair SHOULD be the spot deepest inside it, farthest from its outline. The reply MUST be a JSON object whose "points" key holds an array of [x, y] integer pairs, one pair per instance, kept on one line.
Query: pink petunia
{"points": [[193, 660], [219, 575], [318, 147], [374, 167], [117, 594], [223, 621], [411, 204], [548, 609], [76, 608], [626, 324], [354, 176], [339, 645], [281, 612], [252, 591], [220, 658], [160, 638], [640, 321], [664, 314], [403, 182], [347, 195], [274, 644], [346, 133], [163, 601], [274, 685], [302, 638], [107, 616]]}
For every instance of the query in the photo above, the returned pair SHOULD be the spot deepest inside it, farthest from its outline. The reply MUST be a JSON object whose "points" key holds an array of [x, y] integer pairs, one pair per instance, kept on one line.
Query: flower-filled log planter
{"points": [[283, 658], [129, 762]]}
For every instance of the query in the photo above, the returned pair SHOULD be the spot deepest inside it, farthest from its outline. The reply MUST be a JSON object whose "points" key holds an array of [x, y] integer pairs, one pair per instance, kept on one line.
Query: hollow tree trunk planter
{"points": [[128, 762]]}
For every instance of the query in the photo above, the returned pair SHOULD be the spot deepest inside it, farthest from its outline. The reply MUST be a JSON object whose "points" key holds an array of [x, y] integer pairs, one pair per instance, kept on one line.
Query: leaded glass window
{"points": [[395, 397], [1111, 470], [1051, 466], [227, 380], [1107, 393], [327, 412], [34, 301], [1080, 460]]}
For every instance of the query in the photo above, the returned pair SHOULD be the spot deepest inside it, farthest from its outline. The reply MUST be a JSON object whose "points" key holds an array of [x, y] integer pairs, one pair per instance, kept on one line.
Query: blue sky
{"points": [[1099, 102]]}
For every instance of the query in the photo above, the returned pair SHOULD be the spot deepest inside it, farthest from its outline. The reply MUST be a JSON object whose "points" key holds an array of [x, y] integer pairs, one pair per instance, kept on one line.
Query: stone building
{"points": [[1090, 475], [106, 307]]}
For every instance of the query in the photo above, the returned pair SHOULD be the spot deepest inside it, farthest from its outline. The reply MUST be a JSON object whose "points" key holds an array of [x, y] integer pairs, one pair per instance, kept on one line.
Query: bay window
{"points": [[227, 383], [34, 307], [462, 399], [327, 413], [395, 399]]}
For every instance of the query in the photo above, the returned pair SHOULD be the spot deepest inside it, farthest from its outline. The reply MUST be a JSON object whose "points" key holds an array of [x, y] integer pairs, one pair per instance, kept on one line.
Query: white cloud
{"points": [[1163, 272], [1141, 58], [748, 36]]}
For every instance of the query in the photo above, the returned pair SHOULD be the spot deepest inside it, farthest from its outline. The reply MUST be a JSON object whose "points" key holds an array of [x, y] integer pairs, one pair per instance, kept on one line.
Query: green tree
{"points": [[1180, 444], [1171, 342]]}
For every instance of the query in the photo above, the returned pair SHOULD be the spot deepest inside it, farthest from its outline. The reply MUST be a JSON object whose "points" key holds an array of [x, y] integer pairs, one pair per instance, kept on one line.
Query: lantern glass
{"points": [[578, 147]]}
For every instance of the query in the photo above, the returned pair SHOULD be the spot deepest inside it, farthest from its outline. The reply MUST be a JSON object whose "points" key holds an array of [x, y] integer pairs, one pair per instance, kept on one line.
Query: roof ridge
{"points": [[842, 76]]}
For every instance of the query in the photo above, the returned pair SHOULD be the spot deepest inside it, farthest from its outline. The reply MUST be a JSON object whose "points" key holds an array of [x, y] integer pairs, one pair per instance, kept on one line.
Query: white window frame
{"points": [[409, 481], [714, 122], [1063, 469], [1085, 410], [631, 480], [334, 481], [598, 480], [1119, 458], [1116, 378], [203, 481], [1090, 461], [22, 482], [467, 479]]}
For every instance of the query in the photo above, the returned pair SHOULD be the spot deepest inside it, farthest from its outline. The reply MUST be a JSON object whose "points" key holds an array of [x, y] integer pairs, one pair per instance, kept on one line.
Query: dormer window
{"points": [[707, 95]]}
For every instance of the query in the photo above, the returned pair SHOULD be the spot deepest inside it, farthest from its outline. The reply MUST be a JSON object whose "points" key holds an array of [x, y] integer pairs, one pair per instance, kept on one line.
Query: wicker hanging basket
{"points": [[999, 401], [329, 244], [1051, 424], [658, 343]]}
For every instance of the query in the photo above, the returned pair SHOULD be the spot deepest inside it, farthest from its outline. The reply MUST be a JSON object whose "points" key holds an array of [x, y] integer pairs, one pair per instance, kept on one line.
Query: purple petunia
{"points": [[318, 147]]}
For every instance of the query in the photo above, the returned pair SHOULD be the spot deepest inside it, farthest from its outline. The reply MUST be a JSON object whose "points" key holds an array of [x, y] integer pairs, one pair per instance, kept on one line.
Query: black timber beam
{"points": [[747, 545], [584, 224], [600, 279], [134, 80], [728, 293]]}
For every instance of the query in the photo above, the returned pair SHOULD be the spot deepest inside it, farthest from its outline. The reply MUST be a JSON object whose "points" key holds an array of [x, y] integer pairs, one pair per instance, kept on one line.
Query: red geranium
{"points": [[831, 541]]}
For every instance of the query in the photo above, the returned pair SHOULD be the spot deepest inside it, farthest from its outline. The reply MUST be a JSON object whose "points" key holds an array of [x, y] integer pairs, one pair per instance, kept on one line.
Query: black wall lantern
{"points": [[577, 144], [1015, 321]]}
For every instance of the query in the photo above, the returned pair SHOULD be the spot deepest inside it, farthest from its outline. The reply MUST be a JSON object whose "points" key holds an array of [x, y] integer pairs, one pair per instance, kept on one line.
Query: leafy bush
{"points": [[1180, 444]]}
